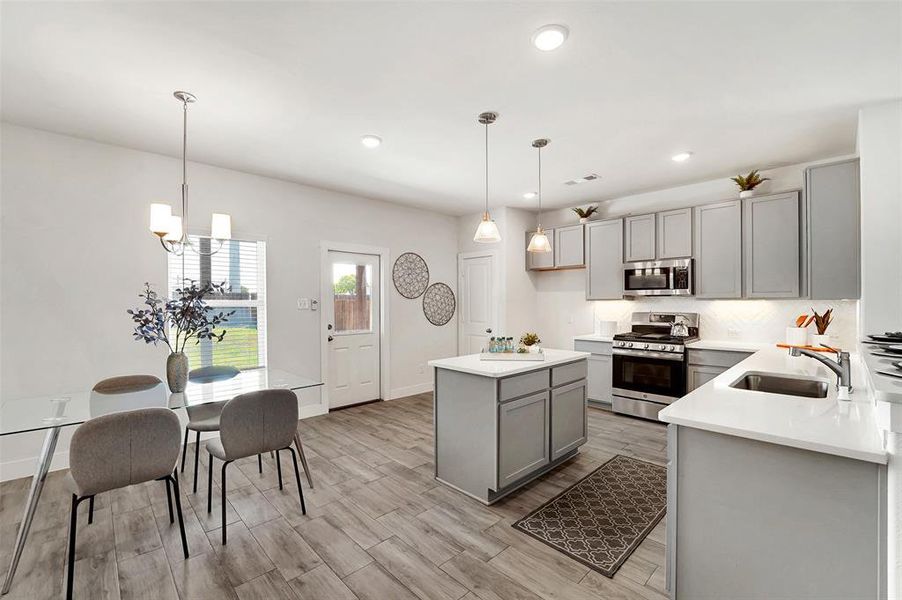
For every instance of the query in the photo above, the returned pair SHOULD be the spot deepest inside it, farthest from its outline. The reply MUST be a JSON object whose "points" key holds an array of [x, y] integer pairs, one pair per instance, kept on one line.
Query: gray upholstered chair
{"points": [[118, 450], [126, 384], [205, 417], [250, 424]]}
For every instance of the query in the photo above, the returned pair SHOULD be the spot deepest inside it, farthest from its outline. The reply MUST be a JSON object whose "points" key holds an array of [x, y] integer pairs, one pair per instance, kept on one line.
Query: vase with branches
{"points": [[178, 321], [585, 213], [748, 183]]}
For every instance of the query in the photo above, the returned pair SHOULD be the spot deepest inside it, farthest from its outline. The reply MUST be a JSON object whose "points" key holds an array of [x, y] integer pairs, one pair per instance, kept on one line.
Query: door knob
{"points": [[329, 326], [330, 338]]}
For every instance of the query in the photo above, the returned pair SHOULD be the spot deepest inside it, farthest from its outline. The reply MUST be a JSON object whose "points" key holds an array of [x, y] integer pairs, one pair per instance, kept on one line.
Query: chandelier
{"points": [[173, 229]]}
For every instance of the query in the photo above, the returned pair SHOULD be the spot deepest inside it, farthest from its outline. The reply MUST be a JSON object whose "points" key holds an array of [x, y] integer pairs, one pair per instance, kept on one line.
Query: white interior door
{"points": [[352, 312], [479, 301]]}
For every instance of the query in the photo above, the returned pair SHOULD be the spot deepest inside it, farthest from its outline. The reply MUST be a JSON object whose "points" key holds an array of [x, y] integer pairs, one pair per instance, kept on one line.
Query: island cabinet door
{"points": [[568, 418], [523, 432]]}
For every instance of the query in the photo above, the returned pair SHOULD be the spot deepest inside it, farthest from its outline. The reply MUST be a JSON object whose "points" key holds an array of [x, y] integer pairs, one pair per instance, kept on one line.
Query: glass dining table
{"points": [[52, 413]]}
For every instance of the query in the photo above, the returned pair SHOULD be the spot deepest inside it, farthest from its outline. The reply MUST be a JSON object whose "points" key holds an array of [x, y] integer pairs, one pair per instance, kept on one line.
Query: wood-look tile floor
{"points": [[378, 526]]}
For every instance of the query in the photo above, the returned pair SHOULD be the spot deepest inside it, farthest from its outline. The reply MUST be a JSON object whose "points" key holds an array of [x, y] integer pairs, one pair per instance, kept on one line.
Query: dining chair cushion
{"points": [[204, 417], [122, 449], [212, 373], [126, 384], [255, 423]]}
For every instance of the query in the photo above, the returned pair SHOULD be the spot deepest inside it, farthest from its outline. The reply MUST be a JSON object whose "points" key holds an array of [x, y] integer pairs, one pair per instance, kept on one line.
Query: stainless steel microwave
{"points": [[658, 278]]}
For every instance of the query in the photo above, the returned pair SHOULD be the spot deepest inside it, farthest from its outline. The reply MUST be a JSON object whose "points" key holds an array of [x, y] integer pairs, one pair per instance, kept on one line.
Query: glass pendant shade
{"points": [[175, 229], [487, 232], [539, 242], [221, 227], [160, 218]]}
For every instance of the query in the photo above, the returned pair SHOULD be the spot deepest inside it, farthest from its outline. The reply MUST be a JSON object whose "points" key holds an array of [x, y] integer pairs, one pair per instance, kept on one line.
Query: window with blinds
{"points": [[241, 264]]}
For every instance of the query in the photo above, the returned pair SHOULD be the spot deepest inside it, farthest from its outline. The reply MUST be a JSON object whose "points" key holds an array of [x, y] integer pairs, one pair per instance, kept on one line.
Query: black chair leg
{"points": [[209, 482], [91, 511], [279, 468], [178, 507], [260, 463], [224, 465], [196, 456], [184, 449], [73, 522], [297, 476], [169, 499]]}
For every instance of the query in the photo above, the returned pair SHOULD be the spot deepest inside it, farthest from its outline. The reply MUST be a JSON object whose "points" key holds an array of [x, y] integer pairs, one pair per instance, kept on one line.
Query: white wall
{"points": [[880, 149], [76, 250]]}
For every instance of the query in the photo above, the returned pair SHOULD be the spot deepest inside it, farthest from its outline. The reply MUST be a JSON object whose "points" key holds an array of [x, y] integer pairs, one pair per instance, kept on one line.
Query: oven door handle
{"points": [[649, 354]]}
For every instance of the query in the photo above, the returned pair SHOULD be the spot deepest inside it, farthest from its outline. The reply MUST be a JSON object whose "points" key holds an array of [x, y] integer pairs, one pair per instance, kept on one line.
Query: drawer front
{"points": [[716, 358], [522, 385], [568, 373], [593, 347]]}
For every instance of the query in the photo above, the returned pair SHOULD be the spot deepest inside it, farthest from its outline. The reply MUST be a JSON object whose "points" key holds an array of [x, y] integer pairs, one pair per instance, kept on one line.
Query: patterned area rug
{"points": [[603, 517]]}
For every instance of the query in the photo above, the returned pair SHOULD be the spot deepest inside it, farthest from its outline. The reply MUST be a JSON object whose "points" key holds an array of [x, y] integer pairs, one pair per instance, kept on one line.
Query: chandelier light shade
{"points": [[173, 229], [539, 241], [487, 231]]}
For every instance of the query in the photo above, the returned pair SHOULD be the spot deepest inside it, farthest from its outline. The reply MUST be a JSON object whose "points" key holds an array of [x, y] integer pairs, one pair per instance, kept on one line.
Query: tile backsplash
{"points": [[740, 320]]}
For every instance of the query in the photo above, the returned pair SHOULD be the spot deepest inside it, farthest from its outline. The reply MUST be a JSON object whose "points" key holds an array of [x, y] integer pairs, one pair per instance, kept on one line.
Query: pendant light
{"points": [[539, 241], [173, 229], [487, 231]]}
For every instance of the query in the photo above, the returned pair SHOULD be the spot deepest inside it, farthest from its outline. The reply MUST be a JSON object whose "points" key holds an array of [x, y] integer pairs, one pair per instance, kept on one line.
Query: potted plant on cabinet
{"points": [[748, 183], [177, 321], [585, 213]]}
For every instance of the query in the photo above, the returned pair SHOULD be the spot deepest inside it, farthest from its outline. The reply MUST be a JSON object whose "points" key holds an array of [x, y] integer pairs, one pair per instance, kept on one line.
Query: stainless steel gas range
{"points": [[650, 362]]}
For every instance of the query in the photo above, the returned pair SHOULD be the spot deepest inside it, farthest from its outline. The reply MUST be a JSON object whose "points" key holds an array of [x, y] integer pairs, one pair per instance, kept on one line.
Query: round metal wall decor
{"points": [[439, 304], [411, 275]]}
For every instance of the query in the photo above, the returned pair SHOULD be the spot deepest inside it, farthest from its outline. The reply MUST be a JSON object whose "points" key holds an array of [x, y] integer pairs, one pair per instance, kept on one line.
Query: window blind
{"points": [[241, 264]]}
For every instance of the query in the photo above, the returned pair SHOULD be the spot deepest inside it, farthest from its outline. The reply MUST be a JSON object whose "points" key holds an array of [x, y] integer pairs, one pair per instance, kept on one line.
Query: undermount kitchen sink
{"points": [[781, 384]]}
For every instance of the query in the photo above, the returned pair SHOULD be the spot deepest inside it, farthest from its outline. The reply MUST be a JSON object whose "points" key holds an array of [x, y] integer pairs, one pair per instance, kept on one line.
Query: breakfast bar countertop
{"points": [[471, 363], [823, 425]]}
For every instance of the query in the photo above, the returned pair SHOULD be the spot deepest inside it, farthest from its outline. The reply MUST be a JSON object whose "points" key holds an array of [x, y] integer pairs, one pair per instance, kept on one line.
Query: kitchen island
{"points": [[775, 495], [500, 424]]}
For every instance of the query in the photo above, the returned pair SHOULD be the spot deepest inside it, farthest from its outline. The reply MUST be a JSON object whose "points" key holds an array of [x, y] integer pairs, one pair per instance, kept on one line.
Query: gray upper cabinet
{"points": [[675, 233], [833, 198], [771, 251], [538, 261], [568, 247], [604, 260], [639, 235], [718, 250]]}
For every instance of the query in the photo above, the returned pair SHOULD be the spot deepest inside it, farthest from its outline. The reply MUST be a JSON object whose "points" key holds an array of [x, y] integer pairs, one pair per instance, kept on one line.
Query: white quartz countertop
{"points": [[841, 428], [728, 345], [592, 337], [503, 368]]}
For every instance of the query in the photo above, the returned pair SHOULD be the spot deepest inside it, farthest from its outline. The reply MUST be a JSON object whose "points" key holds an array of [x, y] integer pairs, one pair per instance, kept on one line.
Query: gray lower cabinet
{"points": [[639, 238], [705, 365], [569, 247], [568, 421], [771, 250], [718, 250], [698, 375], [675, 233], [600, 380], [523, 434], [540, 261], [604, 260], [832, 194], [754, 520]]}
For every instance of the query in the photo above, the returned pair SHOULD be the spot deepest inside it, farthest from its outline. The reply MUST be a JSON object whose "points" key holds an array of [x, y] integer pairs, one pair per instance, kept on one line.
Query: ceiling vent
{"points": [[584, 179]]}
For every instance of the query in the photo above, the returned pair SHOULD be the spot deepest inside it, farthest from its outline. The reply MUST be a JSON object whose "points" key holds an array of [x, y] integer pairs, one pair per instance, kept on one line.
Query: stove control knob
{"points": [[669, 348], [629, 344], [646, 346]]}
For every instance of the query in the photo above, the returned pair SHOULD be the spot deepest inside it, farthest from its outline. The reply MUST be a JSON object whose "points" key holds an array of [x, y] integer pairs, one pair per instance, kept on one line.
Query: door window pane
{"points": [[353, 291]]}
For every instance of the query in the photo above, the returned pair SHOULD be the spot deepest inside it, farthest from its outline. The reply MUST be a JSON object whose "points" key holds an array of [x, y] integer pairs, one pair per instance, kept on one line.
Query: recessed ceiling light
{"points": [[530, 195], [371, 141], [681, 157], [550, 37]]}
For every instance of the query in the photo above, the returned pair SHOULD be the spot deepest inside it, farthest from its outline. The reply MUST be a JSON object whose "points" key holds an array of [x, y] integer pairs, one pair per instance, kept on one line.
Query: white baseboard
{"points": [[410, 390]]}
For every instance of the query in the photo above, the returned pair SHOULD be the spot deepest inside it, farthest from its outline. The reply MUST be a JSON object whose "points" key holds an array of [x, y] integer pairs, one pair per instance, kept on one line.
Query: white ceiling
{"points": [[287, 89]]}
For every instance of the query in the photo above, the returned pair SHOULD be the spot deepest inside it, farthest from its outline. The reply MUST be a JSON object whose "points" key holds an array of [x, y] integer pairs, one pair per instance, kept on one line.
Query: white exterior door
{"points": [[352, 312], [479, 301]]}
